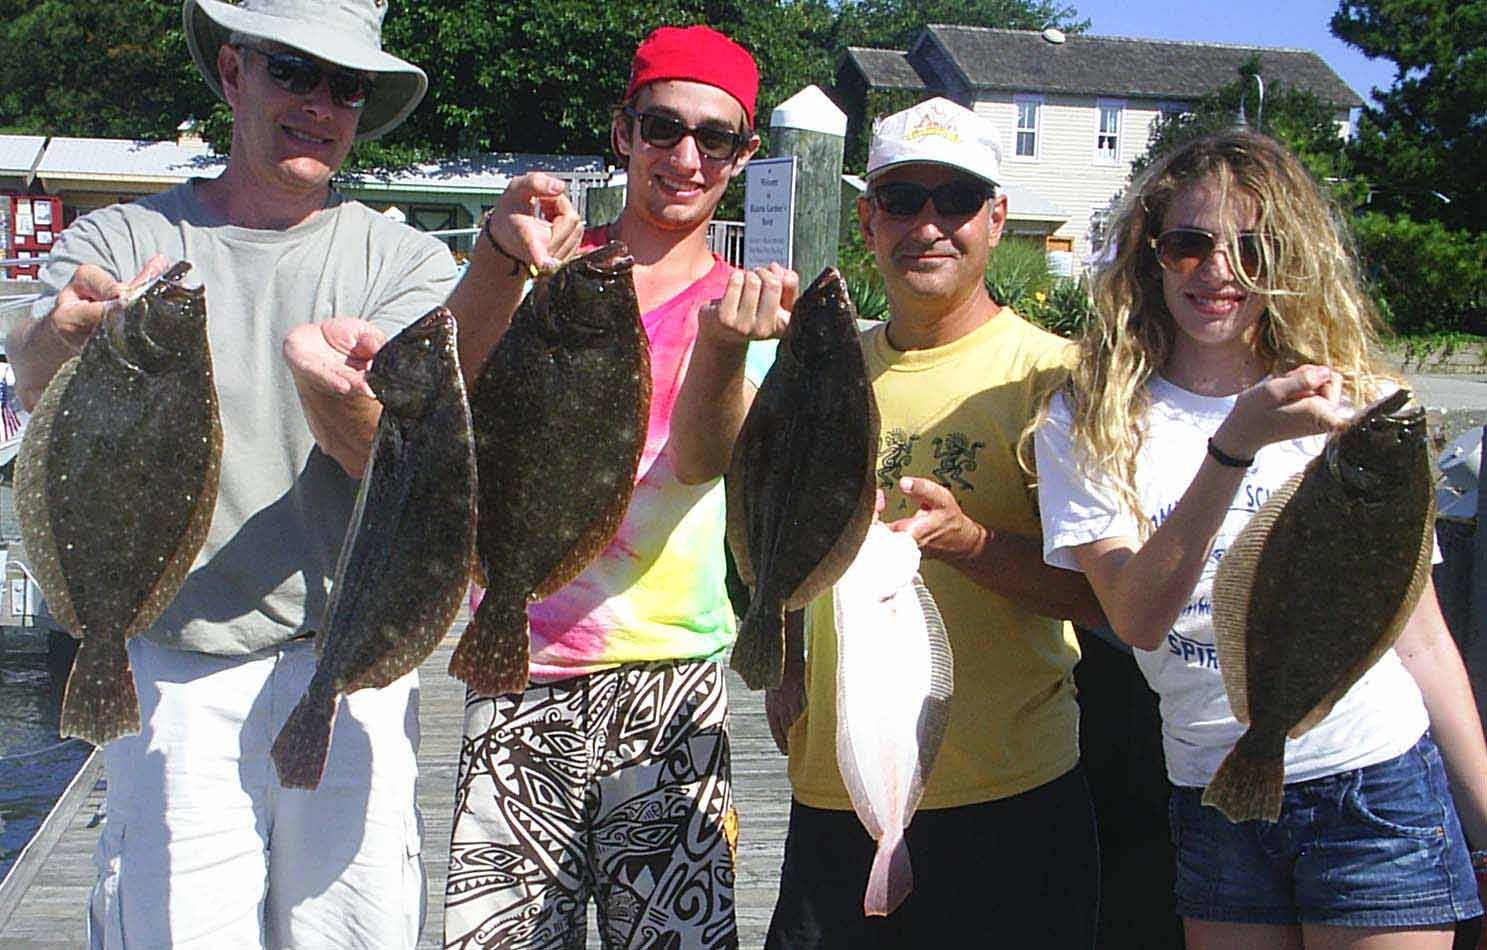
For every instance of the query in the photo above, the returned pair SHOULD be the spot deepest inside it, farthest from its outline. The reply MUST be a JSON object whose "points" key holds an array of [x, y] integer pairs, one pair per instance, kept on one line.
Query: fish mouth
{"points": [[1392, 404], [611, 259], [168, 285]]}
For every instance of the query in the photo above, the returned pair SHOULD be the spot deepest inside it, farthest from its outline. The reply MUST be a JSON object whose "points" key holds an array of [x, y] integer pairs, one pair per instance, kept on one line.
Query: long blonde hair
{"points": [[1317, 311]]}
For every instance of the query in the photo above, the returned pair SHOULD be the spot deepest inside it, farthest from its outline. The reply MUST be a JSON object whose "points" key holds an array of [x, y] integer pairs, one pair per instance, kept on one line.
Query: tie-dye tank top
{"points": [[657, 591]]}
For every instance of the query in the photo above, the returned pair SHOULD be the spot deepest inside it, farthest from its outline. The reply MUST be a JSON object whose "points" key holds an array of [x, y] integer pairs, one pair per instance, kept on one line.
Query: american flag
{"points": [[12, 416]]}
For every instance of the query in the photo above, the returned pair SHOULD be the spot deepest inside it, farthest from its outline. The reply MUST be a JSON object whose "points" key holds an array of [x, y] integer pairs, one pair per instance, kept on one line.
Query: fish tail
{"points": [[99, 702], [303, 743], [759, 651], [891, 878], [494, 652], [1249, 781]]}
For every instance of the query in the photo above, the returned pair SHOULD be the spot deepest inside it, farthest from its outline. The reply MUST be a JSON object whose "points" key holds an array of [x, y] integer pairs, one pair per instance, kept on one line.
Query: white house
{"points": [[1074, 110]]}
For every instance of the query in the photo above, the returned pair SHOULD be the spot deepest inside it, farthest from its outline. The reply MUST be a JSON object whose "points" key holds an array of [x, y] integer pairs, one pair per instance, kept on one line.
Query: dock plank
{"points": [[51, 913]]}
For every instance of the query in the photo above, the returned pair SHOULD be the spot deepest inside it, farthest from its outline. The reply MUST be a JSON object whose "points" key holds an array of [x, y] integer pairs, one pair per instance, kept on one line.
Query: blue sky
{"points": [[1298, 23]]}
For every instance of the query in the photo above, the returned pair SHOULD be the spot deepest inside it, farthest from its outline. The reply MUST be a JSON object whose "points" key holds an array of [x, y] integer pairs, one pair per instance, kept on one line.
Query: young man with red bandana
{"points": [[608, 776]]}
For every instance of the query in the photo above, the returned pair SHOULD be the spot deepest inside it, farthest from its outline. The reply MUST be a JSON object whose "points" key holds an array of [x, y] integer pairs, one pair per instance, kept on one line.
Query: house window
{"points": [[1028, 111], [1107, 137]]}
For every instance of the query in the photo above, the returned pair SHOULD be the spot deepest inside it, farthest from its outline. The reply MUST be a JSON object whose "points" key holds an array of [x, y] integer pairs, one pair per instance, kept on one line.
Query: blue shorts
{"points": [[1373, 847]]}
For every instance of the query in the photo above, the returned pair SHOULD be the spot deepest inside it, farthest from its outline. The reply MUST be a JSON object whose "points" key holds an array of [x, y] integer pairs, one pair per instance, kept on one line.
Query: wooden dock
{"points": [[47, 909]]}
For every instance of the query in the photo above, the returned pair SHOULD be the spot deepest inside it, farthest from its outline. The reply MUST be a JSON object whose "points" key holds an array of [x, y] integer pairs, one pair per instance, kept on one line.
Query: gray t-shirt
{"points": [[264, 572]]}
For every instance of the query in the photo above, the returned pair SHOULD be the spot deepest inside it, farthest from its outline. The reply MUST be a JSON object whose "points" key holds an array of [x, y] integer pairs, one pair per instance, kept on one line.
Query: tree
{"points": [[115, 69], [1424, 147], [1297, 117]]}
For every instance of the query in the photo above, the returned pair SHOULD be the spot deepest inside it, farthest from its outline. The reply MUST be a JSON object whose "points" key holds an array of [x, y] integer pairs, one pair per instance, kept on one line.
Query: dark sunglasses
{"points": [[953, 199], [663, 131], [300, 75], [1183, 250]]}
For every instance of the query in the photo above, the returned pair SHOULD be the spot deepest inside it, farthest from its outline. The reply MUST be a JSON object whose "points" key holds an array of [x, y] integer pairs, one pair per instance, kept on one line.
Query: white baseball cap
{"points": [[940, 132]]}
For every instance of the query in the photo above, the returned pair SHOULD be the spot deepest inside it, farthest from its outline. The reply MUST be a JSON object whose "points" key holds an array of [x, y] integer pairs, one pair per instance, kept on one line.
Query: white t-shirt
{"points": [[1381, 717]]}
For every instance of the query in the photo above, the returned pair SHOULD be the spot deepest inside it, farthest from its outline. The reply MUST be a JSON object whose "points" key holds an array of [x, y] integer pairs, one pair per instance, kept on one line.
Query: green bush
{"points": [[1064, 309], [1427, 277], [1016, 270], [864, 283]]}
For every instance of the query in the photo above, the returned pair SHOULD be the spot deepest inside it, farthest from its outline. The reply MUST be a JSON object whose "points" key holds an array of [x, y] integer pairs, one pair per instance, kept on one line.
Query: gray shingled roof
{"points": [[885, 68], [1124, 66]]}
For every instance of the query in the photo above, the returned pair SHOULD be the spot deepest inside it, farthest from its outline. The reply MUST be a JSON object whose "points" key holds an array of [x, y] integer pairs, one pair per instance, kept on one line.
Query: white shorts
{"points": [[203, 848]]}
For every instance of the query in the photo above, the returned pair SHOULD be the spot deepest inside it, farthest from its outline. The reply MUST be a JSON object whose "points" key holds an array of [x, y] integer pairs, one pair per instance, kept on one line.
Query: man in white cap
{"points": [[203, 847], [1003, 845]]}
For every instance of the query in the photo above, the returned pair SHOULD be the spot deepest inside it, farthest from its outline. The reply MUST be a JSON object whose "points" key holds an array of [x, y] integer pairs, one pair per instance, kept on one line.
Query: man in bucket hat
{"points": [[1002, 847], [203, 847], [607, 776]]}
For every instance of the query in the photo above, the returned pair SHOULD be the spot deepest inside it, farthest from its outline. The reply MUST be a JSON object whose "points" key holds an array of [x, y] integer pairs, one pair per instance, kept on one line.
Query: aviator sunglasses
{"points": [[1183, 250], [300, 75], [662, 131], [953, 199]]}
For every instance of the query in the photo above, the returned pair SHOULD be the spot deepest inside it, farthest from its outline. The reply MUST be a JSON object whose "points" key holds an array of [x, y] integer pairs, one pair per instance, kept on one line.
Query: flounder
{"points": [[894, 679], [561, 409], [406, 559], [800, 485], [1316, 589], [115, 485]]}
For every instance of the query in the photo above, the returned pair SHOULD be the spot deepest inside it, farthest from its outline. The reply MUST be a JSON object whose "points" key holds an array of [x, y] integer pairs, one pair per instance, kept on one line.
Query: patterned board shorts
{"points": [[614, 786]]}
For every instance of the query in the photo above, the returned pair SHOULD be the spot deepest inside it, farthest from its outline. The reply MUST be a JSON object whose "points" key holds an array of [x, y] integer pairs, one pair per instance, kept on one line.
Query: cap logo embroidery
{"points": [[930, 126]]}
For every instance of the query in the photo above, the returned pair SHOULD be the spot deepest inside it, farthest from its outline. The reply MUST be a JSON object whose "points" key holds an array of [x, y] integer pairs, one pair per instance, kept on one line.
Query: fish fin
{"points": [[494, 653], [303, 744], [1233, 585], [934, 717], [1249, 782], [32, 509], [759, 651], [892, 876], [99, 702], [736, 508], [1321, 710], [1384, 643]]}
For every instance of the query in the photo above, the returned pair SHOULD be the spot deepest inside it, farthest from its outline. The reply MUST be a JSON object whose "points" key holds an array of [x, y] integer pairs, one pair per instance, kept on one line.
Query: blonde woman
{"points": [[1232, 336]]}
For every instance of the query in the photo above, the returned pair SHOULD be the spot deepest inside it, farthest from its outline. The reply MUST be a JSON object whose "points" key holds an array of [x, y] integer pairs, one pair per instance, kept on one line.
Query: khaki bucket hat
{"points": [[344, 32]]}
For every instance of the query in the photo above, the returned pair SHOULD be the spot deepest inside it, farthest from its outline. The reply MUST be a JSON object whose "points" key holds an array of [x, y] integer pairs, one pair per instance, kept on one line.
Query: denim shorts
{"points": [[1378, 846]]}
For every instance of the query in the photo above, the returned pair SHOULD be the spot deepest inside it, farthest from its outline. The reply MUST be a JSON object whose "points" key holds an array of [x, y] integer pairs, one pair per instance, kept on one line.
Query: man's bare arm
{"points": [[532, 223], [715, 397]]}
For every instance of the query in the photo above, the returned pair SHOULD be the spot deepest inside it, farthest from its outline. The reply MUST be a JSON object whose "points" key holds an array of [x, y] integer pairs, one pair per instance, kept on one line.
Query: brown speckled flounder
{"points": [[115, 485], [800, 486], [560, 409], [1315, 589], [406, 559]]}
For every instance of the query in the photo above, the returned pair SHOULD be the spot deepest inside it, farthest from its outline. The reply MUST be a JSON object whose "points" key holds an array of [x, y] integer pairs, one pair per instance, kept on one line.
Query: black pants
{"points": [[1018, 872]]}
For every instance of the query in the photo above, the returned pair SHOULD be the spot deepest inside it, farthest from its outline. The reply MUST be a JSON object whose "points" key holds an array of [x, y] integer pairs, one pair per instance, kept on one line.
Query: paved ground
{"points": [[1456, 403]]}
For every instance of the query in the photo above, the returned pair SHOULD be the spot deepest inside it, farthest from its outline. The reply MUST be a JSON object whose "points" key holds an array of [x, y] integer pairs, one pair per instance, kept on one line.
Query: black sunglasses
{"points": [[300, 75], [663, 131], [953, 199], [1182, 250]]}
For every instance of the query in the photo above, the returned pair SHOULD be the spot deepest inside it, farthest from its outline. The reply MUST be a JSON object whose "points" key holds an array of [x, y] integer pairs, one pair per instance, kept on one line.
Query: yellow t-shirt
{"points": [[954, 414]]}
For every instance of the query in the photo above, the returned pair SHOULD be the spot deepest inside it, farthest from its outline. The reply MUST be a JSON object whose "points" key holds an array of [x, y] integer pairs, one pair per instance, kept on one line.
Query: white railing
{"points": [[726, 238]]}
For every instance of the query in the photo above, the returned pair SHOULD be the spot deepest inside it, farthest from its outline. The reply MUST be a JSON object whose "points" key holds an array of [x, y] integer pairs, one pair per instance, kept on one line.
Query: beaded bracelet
{"points": [[1225, 459], [517, 264]]}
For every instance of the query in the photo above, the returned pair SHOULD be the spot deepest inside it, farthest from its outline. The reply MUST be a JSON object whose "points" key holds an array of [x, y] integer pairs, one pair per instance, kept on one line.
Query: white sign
{"points": [[769, 212]]}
